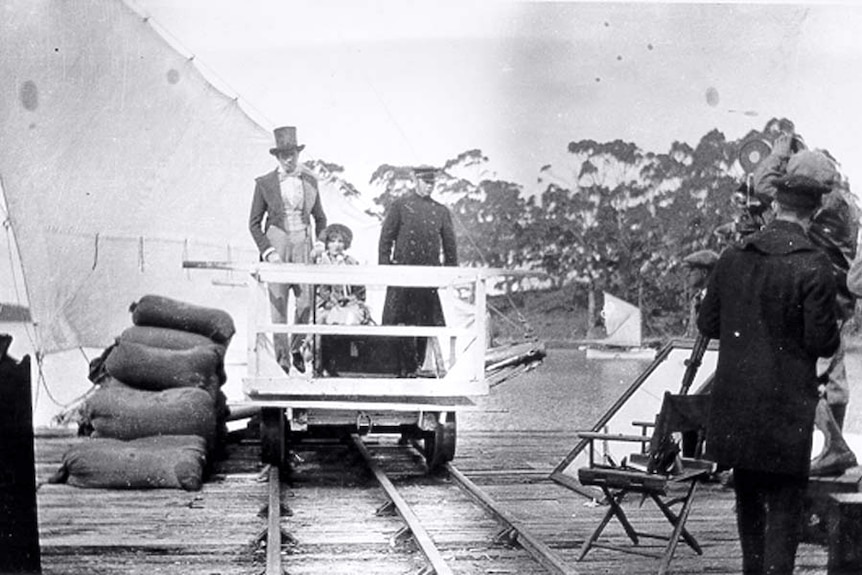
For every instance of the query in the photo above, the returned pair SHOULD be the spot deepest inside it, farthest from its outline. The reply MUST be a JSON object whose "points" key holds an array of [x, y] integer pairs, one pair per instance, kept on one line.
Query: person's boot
{"points": [[836, 456]]}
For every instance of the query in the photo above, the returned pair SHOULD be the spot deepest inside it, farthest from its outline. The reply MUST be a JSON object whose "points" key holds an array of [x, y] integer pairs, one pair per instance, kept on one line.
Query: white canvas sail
{"points": [[622, 322], [119, 161]]}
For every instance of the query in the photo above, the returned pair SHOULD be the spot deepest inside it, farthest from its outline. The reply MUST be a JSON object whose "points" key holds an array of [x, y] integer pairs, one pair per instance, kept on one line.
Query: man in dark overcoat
{"points": [[416, 231], [771, 304]]}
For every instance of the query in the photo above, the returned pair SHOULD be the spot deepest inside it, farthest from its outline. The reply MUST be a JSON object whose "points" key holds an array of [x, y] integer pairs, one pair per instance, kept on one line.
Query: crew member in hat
{"points": [[834, 229], [771, 304], [699, 265], [417, 231], [285, 214]]}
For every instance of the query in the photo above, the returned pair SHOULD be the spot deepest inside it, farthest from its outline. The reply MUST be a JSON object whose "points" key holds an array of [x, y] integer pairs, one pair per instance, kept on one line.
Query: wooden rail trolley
{"points": [[367, 394]]}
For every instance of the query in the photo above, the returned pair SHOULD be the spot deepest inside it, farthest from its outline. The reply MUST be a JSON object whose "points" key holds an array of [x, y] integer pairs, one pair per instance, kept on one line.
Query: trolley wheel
{"points": [[440, 443], [273, 433]]}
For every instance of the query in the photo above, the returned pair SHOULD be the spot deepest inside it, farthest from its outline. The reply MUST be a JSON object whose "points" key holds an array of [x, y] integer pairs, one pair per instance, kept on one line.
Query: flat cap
{"points": [[815, 165], [426, 173], [797, 191], [701, 259]]}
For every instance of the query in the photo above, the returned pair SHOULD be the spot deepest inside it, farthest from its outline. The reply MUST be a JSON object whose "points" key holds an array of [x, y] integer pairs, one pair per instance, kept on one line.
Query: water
{"points": [[566, 393]]}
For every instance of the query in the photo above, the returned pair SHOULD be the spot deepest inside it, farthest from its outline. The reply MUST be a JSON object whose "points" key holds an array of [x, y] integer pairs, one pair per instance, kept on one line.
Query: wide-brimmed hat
{"points": [[800, 191], [285, 141], [339, 230]]}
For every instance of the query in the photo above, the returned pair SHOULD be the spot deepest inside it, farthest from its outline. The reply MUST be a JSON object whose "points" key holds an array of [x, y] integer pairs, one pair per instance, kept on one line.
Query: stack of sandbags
{"points": [[161, 380]]}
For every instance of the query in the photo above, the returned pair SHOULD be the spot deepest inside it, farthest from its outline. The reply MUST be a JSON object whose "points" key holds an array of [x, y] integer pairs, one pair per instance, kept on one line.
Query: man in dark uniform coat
{"points": [[416, 231], [771, 304]]}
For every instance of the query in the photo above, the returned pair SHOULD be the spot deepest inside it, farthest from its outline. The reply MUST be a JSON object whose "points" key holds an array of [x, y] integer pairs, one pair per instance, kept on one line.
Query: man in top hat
{"points": [[771, 304], [417, 231], [699, 265], [285, 202]]}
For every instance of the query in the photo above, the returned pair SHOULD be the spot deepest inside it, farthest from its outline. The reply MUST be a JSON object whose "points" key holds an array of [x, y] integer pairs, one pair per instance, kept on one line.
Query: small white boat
{"points": [[642, 353], [623, 326]]}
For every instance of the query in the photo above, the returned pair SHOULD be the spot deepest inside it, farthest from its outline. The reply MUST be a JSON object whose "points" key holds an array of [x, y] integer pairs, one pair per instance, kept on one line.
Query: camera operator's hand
{"points": [[783, 145]]}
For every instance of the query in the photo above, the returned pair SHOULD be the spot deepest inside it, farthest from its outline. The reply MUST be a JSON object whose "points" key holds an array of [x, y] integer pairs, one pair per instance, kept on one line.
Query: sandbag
{"points": [[118, 411], [167, 338], [160, 311], [164, 337], [156, 369], [167, 461]]}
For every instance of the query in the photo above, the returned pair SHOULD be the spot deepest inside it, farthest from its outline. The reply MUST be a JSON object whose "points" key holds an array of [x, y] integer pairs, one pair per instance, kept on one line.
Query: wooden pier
{"points": [[211, 532]]}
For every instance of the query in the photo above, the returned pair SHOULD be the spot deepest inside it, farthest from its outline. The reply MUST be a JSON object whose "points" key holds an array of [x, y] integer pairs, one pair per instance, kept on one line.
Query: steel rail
{"points": [[426, 544], [537, 549], [273, 532]]}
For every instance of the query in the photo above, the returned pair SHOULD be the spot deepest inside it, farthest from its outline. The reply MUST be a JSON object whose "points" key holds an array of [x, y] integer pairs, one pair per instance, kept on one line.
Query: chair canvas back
{"points": [[678, 414]]}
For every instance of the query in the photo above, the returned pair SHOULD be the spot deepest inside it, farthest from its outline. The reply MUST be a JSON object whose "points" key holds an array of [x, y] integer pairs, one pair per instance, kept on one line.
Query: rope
{"points": [[20, 300], [29, 331]]}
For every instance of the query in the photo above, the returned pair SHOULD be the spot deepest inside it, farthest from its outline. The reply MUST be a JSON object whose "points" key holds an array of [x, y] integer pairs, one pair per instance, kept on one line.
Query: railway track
{"points": [[369, 505]]}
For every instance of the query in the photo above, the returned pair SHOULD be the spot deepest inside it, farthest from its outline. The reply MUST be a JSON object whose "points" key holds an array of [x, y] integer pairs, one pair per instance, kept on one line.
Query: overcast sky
{"points": [[402, 82]]}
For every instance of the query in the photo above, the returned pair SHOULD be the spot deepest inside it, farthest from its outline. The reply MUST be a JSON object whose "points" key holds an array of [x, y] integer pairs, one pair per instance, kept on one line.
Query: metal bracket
{"points": [[508, 536], [363, 417], [284, 511], [299, 420], [259, 540], [400, 536], [385, 510], [428, 421]]}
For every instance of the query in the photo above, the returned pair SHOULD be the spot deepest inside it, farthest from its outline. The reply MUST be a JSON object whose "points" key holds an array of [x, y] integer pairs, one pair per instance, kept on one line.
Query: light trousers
{"points": [[292, 247]]}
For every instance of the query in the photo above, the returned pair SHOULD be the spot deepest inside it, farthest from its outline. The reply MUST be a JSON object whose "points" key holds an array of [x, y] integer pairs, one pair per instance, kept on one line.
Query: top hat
{"points": [[798, 191], [340, 230], [285, 141]]}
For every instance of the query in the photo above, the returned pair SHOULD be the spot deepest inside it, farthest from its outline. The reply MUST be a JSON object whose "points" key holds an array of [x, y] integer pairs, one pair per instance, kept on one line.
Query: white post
{"points": [[480, 323]]}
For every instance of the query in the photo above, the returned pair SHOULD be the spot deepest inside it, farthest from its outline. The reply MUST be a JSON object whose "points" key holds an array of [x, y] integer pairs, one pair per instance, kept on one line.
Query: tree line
{"points": [[614, 218]]}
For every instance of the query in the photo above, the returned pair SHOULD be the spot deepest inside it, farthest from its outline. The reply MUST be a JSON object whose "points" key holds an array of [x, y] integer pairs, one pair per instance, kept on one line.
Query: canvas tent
{"points": [[119, 160]]}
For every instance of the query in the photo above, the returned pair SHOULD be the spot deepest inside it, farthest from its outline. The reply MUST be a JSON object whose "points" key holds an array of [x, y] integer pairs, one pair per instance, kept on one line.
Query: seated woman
{"points": [[338, 304]]}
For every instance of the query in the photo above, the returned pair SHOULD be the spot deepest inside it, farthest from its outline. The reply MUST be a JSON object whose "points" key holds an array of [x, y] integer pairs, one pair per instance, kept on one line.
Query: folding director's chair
{"points": [[651, 472]]}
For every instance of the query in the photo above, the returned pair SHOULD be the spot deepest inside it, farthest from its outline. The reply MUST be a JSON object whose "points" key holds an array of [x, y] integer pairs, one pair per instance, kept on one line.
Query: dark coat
{"points": [[267, 207], [770, 303], [416, 231]]}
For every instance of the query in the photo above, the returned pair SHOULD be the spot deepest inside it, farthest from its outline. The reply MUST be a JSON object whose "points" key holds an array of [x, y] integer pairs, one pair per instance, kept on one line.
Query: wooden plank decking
{"points": [[209, 532]]}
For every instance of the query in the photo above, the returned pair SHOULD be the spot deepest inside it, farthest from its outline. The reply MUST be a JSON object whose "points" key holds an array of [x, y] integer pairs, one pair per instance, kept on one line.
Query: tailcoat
{"points": [[770, 303], [267, 207]]}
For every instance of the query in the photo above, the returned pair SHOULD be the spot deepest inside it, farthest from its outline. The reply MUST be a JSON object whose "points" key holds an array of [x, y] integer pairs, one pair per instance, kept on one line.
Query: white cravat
{"points": [[291, 189]]}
